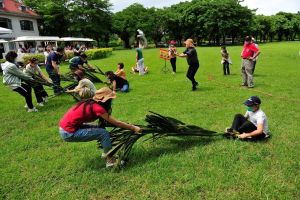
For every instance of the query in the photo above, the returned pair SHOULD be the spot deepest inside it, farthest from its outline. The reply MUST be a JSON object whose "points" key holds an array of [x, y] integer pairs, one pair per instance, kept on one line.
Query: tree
{"points": [[90, 18], [53, 14], [127, 21]]}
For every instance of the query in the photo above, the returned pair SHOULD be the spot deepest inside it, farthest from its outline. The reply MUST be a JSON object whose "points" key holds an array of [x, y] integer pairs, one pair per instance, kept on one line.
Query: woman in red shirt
{"points": [[73, 127]]}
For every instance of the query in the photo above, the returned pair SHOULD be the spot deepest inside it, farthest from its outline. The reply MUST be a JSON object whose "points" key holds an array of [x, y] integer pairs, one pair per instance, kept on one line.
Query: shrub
{"points": [[69, 54], [39, 56], [98, 53]]}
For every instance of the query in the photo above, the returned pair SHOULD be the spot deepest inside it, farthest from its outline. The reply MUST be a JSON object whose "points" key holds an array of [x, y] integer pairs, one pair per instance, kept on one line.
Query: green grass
{"points": [[36, 164]]}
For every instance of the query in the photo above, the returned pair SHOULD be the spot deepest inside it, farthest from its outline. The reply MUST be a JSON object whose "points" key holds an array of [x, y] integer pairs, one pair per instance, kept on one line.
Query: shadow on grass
{"points": [[167, 146]]}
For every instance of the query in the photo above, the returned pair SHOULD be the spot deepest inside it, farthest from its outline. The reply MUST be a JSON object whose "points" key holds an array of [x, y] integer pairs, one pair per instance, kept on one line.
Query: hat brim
{"points": [[104, 97]]}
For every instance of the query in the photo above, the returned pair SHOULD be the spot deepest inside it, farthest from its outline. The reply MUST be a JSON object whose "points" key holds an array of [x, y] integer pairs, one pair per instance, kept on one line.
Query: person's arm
{"points": [[55, 66], [19, 73], [256, 52], [114, 83], [120, 124], [258, 131]]}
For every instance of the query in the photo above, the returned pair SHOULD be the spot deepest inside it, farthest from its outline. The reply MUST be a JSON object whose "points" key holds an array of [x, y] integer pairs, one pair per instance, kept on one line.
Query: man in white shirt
{"points": [[253, 124]]}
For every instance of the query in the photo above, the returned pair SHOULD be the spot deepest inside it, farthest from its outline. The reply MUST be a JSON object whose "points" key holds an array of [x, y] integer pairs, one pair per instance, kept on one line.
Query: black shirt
{"points": [[191, 58], [119, 81]]}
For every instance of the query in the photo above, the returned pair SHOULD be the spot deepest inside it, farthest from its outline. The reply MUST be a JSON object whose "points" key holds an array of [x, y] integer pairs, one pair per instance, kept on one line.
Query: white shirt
{"points": [[32, 70], [258, 117]]}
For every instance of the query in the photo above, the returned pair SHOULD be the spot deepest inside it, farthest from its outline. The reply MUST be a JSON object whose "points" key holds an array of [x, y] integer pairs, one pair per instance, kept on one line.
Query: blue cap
{"points": [[252, 101]]}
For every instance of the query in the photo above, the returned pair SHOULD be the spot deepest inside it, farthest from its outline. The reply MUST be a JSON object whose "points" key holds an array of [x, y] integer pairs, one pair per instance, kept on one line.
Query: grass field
{"points": [[36, 164]]}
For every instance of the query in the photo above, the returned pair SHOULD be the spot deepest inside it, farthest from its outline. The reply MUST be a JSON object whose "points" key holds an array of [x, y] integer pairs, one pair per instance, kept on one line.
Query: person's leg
{"points": [[141, 66], [55, 81], [244, 74], [125, 88], [254, 64], [25, 91], [227, 68], [224, 68], [238, 121], [191, 74], [89, 134], [248, 71], [173, 63], [38, 90], [247, 127]]}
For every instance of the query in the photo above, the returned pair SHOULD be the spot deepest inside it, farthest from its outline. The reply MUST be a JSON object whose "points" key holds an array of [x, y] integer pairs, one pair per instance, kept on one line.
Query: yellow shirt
{"points": [[121, 73]]}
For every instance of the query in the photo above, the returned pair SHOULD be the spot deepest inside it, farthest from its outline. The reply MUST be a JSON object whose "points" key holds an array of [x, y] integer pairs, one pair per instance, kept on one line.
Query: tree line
{"points": [[211, 21]]}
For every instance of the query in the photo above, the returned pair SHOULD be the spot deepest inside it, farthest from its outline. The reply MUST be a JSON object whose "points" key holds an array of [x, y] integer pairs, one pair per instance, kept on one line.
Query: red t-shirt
{"points": [[249, 50], [74, 118]]}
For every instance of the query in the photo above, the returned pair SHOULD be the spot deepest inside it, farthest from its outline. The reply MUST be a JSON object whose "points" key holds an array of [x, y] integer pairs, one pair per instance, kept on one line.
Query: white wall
{"points": [[16, 27]]}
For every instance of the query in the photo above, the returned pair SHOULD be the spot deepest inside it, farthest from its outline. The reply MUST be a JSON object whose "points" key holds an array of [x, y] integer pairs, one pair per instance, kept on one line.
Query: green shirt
{"points": [[139, 53]]}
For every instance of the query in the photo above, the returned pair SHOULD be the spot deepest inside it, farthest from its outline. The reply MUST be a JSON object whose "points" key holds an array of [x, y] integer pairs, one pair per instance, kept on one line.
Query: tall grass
{"points": [[36, 164]]}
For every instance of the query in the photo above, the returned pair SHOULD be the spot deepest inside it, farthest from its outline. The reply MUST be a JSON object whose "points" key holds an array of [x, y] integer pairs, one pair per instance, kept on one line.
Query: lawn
{"points": [[36, 164]]}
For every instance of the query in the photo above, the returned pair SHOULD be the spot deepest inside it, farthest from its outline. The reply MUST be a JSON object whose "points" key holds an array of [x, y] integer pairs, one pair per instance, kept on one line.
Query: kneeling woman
{"points": [[73, 127]]}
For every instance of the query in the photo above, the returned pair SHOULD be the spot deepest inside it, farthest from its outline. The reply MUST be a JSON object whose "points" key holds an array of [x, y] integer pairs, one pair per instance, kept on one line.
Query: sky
{"points": [[265, 7]]}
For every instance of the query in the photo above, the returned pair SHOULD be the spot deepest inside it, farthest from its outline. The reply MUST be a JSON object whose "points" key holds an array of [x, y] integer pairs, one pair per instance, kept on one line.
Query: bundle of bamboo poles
{"points": [[158, 126]]}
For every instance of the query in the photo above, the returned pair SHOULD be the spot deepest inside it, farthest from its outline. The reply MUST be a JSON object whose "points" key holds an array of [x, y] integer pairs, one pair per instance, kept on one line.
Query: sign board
{"points": [[164, 54]]}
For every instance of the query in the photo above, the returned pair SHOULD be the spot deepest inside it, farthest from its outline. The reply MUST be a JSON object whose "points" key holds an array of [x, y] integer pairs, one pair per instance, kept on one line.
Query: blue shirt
{"points": [[77, 61], [52, 57]]}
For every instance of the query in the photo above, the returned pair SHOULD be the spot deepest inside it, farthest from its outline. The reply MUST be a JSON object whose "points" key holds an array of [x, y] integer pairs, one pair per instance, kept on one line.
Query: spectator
{"points": [[249, 53], [172, 54], [225, 60]]}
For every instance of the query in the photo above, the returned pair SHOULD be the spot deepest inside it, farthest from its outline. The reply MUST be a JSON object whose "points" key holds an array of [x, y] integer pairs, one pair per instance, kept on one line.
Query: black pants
{"points": [[192, 72], [55, 81], [39, 92], [173, 63], [25, 91], [242, 125], [226, 67]]}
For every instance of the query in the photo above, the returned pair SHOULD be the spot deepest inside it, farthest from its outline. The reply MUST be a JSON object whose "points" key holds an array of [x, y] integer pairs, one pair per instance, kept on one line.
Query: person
{"points": [[73, 126], [192, 59], [32, 69], [48, 50], [120, 71], [256, 58], [172, 54], [85, 88], [52, 68], [1, 50], [21, 50], [249, 53], [13, 76], [225, 60], [253, 125], [117, 82], [77, 62], [135, 69], [79, 49], [140, 61]]}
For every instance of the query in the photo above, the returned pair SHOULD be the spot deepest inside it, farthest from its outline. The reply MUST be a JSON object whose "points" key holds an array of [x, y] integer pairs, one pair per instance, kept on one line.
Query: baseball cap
{"points": [[252, 101]]}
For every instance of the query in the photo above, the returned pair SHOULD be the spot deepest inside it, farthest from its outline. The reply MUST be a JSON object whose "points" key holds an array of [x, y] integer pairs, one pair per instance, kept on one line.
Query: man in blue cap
{"points": [[253, 124]]}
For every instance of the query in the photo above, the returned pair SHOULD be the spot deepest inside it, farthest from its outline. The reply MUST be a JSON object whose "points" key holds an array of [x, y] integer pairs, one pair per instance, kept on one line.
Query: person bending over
{"points": [[117, 82], [73, 126]]}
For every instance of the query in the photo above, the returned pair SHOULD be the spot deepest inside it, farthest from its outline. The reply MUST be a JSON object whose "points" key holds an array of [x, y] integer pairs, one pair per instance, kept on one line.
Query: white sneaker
{"points": [[32, 110], [45, 99], [41, 104]]}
